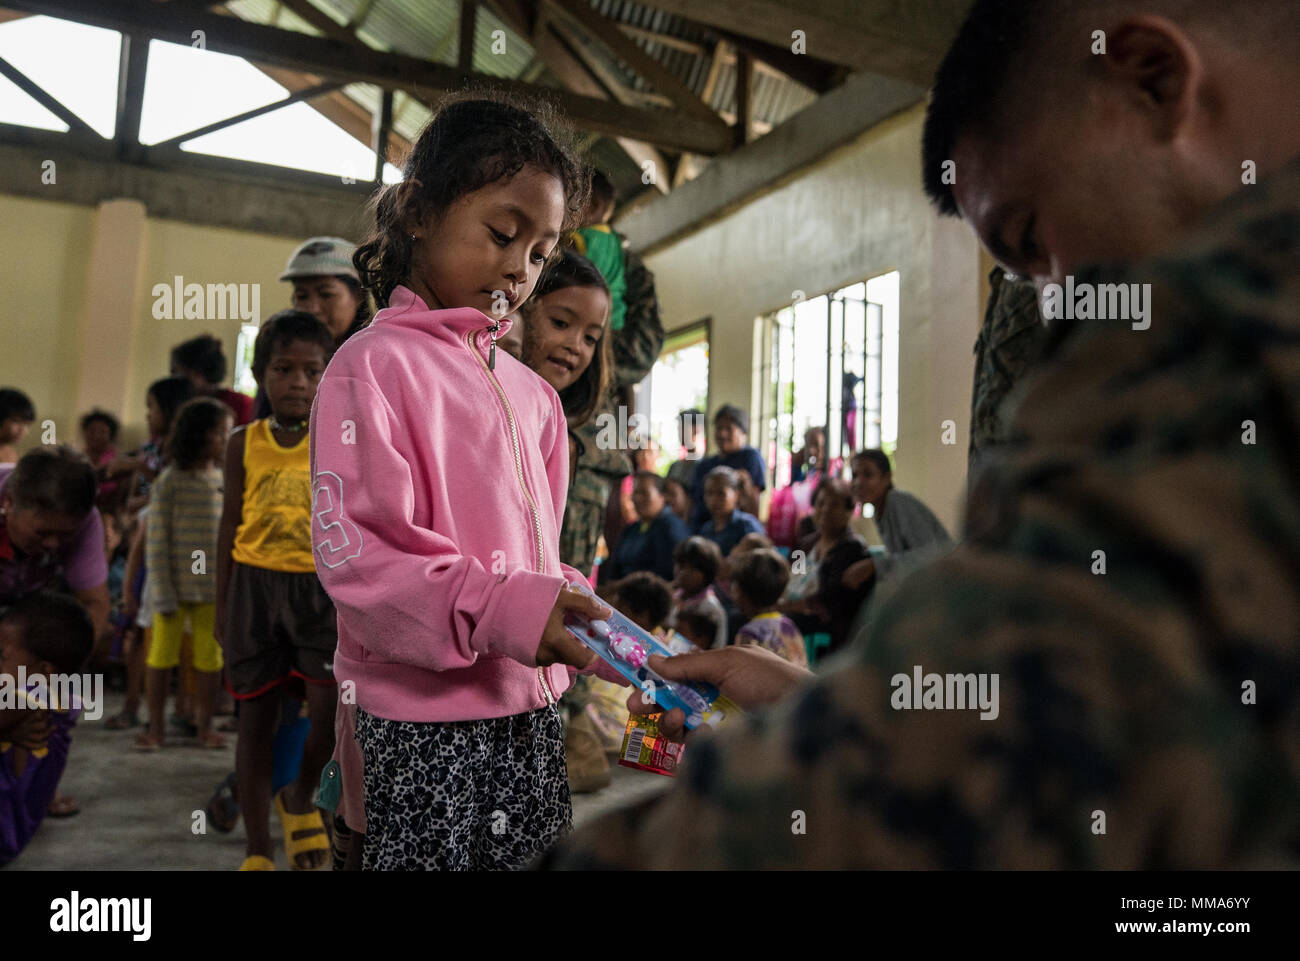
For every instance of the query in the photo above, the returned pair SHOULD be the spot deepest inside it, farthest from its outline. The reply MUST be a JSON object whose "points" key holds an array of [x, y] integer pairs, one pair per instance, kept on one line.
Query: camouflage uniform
{"points": [[1123, 694], [636, 348], [1010, 340]]}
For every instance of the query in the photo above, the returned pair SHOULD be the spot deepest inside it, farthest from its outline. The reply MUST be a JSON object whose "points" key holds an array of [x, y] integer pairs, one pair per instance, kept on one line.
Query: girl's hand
{"points": [[558, 645]]}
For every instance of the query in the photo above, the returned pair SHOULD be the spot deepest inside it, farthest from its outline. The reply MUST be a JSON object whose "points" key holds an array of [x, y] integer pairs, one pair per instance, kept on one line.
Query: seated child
{"points": [[722, 586], [699, 625], [696, 561], [726, 523], [44, 633], [758, 578]]}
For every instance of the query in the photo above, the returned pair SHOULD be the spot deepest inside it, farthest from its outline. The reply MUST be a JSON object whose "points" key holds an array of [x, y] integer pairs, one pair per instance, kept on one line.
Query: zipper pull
{"points": [[492, 349]]}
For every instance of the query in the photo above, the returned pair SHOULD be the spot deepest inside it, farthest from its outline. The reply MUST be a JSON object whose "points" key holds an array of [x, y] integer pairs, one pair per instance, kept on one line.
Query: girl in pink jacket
{"points": [[440, 468]]}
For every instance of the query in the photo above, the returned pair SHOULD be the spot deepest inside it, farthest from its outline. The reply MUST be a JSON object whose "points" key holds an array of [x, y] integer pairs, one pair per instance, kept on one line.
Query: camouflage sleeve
{"points": [[1104, 676], [637, 345], [1010, 340]]}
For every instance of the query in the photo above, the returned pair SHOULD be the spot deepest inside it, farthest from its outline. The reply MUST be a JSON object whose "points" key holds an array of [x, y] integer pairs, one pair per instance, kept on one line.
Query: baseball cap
{"points": [[319, 256]]}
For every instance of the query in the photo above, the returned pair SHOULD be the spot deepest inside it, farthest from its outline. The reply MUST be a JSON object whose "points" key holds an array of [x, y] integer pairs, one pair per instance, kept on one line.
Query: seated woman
{"points": [[819, 599], [911, 532]]}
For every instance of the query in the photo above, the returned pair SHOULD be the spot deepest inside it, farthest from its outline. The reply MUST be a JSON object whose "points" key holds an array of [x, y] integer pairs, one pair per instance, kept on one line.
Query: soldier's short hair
{"points": [[1008, 48]]}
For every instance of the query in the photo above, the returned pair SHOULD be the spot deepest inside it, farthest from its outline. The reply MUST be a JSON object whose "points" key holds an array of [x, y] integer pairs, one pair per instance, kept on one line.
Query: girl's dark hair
{"points": [[474, 138], [581, 398], [169, 394], [53, 627], [877, 457], [835, 487], [285, 327], [14, 403], [58, 480], [104, 417], [203, 355], [701, 554], [189, 437]]}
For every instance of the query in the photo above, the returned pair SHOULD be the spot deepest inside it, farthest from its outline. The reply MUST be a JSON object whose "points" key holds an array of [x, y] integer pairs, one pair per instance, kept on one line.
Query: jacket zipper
{"points": [[519, 475], [514, 443]]}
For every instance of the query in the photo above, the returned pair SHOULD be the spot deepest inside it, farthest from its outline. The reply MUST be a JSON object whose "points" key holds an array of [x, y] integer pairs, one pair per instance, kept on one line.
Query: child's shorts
{"points": [[168, 629], [278, 625], [485, 795]]}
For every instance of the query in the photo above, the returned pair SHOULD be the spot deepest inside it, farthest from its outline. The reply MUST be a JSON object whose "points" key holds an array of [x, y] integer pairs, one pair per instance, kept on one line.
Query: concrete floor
{"points": [[138, 810]]}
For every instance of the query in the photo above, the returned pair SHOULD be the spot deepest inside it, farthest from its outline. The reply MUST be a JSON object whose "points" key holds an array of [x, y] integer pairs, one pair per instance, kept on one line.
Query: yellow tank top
{"points": [[275, 523]]}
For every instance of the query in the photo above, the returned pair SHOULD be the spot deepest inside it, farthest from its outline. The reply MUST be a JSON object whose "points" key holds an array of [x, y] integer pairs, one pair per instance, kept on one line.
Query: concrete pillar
{"points": [[111, 313]]}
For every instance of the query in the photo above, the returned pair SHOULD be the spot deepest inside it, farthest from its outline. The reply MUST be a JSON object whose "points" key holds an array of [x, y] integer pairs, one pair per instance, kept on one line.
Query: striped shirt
{"points": [[185, 511]]}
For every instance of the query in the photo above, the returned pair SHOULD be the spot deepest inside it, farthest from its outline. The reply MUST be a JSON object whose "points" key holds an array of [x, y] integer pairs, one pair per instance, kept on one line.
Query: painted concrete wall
{"points": [[79, 328], [857, 213]]}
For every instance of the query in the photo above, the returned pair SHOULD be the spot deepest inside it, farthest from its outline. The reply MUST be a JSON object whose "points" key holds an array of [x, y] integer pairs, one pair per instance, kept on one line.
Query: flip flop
{"points": [[292, 824], [147, 742], [257, 862], [213, 741]]}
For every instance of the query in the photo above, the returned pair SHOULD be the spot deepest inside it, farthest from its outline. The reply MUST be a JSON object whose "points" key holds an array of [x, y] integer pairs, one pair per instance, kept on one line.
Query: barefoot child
{"points": [[275, 622], [181, 553], [440, 468]]}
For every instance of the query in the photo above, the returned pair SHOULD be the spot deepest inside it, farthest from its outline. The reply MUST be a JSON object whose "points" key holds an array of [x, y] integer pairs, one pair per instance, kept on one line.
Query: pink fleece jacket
{"points": [[439, 488]]}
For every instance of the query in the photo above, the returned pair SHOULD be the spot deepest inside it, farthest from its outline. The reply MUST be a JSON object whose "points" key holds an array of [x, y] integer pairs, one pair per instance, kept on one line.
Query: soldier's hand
{"points": [[750, 676]]}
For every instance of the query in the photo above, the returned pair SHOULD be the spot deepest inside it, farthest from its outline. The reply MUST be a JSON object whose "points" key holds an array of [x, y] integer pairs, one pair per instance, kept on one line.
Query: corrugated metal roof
{"points": [[430, 29]]}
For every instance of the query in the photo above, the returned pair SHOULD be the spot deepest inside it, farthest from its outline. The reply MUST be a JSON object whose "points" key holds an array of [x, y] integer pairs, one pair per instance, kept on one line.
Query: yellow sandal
{"points": [[293, 823], [256, 862]]}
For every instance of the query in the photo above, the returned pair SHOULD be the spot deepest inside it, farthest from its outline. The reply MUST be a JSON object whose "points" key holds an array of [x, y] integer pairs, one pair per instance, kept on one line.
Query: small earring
{"points": [[412, 238]]}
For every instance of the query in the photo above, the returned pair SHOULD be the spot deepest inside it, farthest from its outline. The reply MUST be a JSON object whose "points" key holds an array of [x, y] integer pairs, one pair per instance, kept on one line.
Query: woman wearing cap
{"points": [[325, 285]]}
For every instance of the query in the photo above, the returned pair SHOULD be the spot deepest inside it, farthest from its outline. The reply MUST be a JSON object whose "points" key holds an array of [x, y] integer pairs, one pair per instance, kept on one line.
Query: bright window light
{"points": [[187, 88], [74, 63]]}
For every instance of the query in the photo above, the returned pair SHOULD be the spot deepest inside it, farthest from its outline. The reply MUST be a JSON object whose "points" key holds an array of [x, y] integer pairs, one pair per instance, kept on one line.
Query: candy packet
{"points": [[645, 749], [626, 647]]}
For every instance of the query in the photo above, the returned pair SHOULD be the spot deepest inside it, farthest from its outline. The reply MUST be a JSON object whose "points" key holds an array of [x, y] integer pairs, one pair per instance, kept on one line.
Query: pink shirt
{"points": [[439, 488]]}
